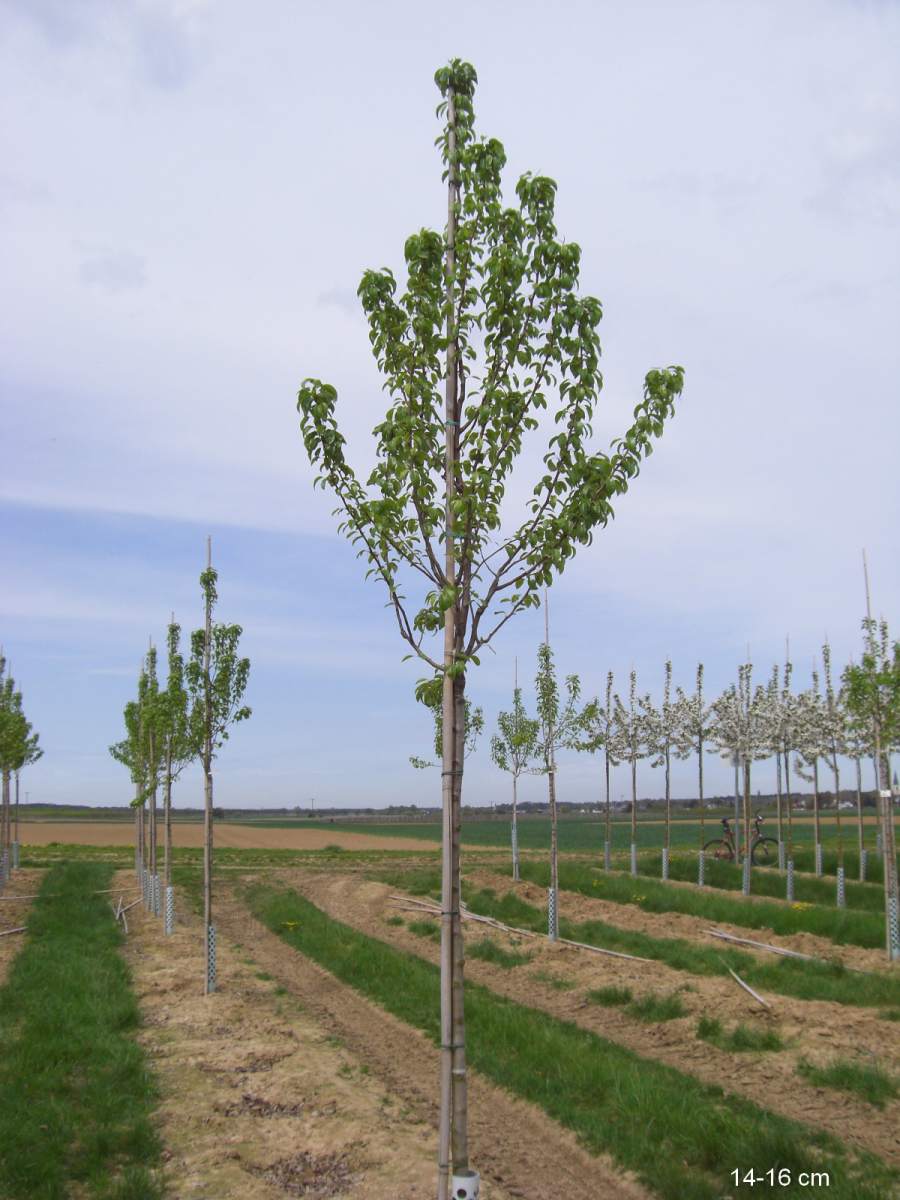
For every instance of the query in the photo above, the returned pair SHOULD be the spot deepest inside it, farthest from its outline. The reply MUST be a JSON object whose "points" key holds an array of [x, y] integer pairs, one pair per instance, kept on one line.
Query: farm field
{"points": [[312, 1066], [190, 835]]}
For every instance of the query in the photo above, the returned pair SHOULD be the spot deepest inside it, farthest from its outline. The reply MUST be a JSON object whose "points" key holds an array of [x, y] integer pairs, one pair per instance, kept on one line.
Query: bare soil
{"points": [[258, 1099], [520, 1151], [229, 836], [14, 913], [577, 907], [816, 1030]]}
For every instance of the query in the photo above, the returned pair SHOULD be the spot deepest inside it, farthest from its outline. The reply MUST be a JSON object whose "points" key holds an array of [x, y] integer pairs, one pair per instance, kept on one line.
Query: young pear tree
{"points": [[561, 725], [858, 732], [599, 724], [513, 749], [739, 732], [216, 680], [491, 318], [131, 752], [873, 696], [811, 744], [694, 728], [180, 730], [26, 751], [632, 738], [662, 733], [834, 727], [10, 718]]}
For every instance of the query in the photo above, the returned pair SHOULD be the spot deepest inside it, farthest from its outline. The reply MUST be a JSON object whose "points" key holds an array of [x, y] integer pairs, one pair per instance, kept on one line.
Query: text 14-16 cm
{"points": [[782, 1177]]}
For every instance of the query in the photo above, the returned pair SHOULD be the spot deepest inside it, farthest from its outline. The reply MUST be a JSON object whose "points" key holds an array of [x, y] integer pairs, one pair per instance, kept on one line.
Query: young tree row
{"points": [[167, 728], [19, 748]]}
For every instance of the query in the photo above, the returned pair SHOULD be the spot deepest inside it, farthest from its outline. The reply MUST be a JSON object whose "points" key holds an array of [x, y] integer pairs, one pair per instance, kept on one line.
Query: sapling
{"points": [[132, 753], [858, 732], [600, 732], [513, 749], [26, 750], [181, 741], [492, 318], [632, 737], [835, 740], [811, 744], [561, 724], [662, 735], [693, 731], [216, 680], [873, 695]]}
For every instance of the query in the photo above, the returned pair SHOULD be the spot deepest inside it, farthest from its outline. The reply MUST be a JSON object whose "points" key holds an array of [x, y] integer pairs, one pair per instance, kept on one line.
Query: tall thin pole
{"points": [[885, 812], [551, 779], [207, 780], [453, 1116]]}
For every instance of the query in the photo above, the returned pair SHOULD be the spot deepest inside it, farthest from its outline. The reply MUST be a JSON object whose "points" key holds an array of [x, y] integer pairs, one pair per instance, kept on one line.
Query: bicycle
{"points": [[763, 850]]}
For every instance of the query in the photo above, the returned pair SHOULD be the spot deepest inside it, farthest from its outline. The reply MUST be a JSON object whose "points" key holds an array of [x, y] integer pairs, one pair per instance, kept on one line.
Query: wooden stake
{"points": [[748, 988]]}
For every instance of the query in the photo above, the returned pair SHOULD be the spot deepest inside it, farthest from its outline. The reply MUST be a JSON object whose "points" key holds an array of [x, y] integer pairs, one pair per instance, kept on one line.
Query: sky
{"points": [[189, 194]]}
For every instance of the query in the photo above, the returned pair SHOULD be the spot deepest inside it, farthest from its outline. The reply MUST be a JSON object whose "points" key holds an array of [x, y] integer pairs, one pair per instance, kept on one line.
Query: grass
{"points": [[488, 951], [786, 976], [844, 927], [865, 897], [868, 1081], [611, 997], [740, 1039], [395, 921], [656, 1008], [429, 929], [680, 1136], [557, 982], [75, 1092]]}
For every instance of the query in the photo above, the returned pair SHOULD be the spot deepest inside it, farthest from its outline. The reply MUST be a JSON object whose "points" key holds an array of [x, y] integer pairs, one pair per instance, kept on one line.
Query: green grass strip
{"points": [[681, 1137], [843, 927], [865, 897], [741, 1038], [868, 1081], [75, 1093], [786, 976]]}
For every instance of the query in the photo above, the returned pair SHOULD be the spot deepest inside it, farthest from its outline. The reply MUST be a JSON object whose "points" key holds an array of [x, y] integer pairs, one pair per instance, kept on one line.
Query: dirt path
{"points": [[519, 1151], [814, 1029], [13, 913], [258, 1099], [578, 907]]}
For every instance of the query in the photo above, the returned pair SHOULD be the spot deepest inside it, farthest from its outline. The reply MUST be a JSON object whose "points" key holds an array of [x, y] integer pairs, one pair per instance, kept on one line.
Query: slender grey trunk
{"points": [[167, 817], [453, 1116], [668, 800], [207, 776], [737, 803], [817, 823], [16, 834], [860, 832], [778, 796], [747, 820], [515, 830]]}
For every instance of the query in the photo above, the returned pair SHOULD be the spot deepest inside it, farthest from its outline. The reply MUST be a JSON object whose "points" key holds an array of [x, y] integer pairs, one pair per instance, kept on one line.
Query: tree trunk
{"points": [[817, 823], [889, 851], [860, 832], [515, 830], [737, 805], [608, 837], [700, 785], [788, 802], [778, 797], [668, 800], [138, 830], [835, 769], [747, 835], [4, 822], [16, 833], [207, 777], [554, 845], [167, 819], [452, 1124]]}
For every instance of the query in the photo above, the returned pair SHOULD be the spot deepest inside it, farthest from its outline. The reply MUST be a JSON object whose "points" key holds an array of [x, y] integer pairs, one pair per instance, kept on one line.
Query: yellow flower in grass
{"points": [[800, 906], [290, 924]]}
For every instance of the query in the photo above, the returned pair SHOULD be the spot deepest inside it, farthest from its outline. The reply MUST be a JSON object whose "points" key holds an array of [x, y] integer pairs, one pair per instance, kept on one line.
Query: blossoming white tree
{"points": [[599, 727], [513, 749], [632, 737], [693, 730]]}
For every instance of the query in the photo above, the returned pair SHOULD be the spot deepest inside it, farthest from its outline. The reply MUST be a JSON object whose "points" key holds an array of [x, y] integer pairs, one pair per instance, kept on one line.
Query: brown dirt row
{"points": [[258, 1099], [577, 907], [520, 1151], [230, 836], [13, 913], [816, 1030]]}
